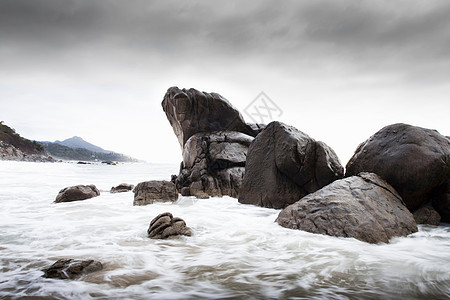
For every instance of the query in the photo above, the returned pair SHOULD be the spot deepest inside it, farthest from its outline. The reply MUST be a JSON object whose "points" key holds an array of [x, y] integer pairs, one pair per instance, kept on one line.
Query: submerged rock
{"points": [[72, 268], [77, 193], [284, 164], [165, 226], [364, 207], [414, 160], [121, 188], [152, 191]]}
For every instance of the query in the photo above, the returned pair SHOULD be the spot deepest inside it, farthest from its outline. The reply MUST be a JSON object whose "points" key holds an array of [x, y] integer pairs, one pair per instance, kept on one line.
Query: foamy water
{"points": [[236, 252]]}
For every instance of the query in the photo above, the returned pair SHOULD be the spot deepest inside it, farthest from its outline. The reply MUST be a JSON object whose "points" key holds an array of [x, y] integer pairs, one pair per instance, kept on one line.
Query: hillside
{"points": [[15, 147], [78, 151]]}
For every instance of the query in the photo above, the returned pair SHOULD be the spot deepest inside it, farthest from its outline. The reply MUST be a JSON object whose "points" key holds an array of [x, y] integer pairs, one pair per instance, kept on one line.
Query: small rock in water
{"points": [[76, 193], [148, 192], [72, 268], [121, 188], [165, 226]]}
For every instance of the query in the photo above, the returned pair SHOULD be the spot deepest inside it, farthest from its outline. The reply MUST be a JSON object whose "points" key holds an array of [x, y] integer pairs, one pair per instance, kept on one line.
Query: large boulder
{"points": [[284, 165], [213, 164], [166, 226], [148, 192], [364, 207], [72, 268], [77, 193], [190, 111], [414, 160]]}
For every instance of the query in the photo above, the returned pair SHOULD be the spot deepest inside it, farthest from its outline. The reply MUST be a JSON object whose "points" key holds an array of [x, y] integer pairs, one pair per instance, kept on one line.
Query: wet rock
{"points": [[426, 214], [364, 207], [213, 164], [121, 188], [284, 164], [72, 268], [190, 111], [441, 202], [77, 193], [165, 226], [414, 160], [152, 191]]}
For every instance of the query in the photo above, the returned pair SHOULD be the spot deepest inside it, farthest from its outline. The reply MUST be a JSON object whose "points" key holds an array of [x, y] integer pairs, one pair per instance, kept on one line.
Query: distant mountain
{"points": [[77, 142], [76, 148], [15, 147]]}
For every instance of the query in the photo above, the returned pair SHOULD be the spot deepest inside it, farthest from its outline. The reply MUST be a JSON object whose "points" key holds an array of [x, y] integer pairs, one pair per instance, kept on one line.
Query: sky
{"points": [[337, 70]]}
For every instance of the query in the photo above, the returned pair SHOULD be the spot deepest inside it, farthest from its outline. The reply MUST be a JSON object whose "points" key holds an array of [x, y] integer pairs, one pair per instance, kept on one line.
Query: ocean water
{"points": [[236, 252]]}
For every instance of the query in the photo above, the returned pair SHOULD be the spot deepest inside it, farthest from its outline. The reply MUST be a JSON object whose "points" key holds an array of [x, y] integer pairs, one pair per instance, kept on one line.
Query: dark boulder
{"points": [[72, 268], [426, 214], [121, 188], [441, 202], [152, 191], [284, 164], [414, 160], [76, 193], [364, 207], [191, 111], [165, 226], [213, 164]]}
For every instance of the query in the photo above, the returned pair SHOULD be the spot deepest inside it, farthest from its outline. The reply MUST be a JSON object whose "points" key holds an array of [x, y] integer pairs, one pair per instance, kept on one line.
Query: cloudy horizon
{"points": [[339, 70]]}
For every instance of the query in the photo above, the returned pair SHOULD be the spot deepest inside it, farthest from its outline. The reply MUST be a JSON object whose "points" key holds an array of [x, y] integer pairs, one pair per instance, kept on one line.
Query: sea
{"points": [[236, 251]]}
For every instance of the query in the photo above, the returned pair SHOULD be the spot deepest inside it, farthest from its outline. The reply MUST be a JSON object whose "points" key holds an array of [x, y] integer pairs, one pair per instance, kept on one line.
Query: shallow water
{"points": [[236, 252]]}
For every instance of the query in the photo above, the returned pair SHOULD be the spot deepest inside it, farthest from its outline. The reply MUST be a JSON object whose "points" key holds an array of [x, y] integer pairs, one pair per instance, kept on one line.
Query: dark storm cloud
{"points": [[401, 34]]}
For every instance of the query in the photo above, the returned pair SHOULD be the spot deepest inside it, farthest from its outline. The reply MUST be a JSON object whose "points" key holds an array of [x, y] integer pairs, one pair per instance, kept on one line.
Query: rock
{"points": [[414, 160], [441, 202], [165, 226], [364, 207], [108, 162], [284, 164], [152, 191], [213, 164], [191, 111], [10, 152], [121, 188], [72, 268], [426, 214], [76, 193]]}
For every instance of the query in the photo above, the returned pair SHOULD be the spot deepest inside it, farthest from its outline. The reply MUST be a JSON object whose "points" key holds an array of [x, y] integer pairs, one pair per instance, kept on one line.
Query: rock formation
{"points": [[76, 193], [148, 192], [414, 160], [364, 207], [121, 188], [165, 226], [284, 165], [214, 139], [426, 214], [71, 268]]}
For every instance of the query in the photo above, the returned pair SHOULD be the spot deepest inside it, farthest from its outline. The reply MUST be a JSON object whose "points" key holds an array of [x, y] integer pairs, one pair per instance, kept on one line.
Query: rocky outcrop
{"points": [[122, 188], [72, 268], [191, 111], [364, 207], [152, 191], [414, 160], [166, 226], [213, 164], [77, 193], [283, 165], [10, 152]]}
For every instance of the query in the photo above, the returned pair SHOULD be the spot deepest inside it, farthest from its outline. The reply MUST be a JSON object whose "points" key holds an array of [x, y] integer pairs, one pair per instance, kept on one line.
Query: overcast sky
{"points": [[339, 70]]}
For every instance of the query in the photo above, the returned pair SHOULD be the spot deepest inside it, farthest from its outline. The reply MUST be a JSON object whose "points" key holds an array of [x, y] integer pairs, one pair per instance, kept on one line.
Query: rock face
{"points": [[213, 164], [76, 193], [121, 188], [191, 111], [149, 192], [214, 139], [414, 160], [284, 165], [364, 207], [165, 226], [71, 268], [10, 152]]}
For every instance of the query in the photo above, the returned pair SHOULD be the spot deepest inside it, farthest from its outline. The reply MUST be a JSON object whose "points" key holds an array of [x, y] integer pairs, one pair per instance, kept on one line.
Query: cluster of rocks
{"points": [[399, 170], [71, 268], [10, 152]]}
